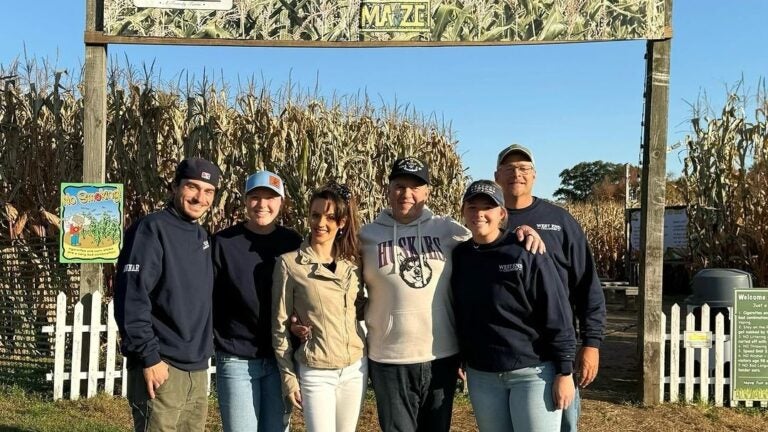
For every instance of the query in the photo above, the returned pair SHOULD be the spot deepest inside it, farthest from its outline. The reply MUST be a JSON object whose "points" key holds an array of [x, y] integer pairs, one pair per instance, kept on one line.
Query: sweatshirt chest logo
{"points": [[548, 227], [414, 272], [411, 258], [508, 268], [206, 245], [131, 268]]}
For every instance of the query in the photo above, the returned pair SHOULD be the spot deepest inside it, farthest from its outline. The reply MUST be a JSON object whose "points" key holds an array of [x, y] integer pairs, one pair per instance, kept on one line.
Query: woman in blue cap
{"points": [[247, 377], [513, 322]]}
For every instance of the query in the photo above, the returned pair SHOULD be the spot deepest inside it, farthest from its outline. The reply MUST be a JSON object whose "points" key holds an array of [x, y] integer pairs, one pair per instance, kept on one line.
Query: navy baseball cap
{"points": [[485, 187], [197, 169]]}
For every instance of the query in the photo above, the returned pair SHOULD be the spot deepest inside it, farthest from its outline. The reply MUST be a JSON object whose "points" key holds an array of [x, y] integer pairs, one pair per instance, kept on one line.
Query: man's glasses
{"points": [[522, 169]]}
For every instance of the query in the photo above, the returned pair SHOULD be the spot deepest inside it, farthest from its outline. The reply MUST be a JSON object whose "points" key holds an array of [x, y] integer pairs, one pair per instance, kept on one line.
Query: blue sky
{"points": [[568, 102]]}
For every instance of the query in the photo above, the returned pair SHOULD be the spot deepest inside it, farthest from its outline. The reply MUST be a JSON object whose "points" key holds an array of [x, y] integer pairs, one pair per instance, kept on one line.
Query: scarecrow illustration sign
{"points": [[92, 222]]}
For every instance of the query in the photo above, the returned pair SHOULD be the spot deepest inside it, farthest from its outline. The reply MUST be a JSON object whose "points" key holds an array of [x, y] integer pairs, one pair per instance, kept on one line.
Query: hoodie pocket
{"points": [[409, 333]]}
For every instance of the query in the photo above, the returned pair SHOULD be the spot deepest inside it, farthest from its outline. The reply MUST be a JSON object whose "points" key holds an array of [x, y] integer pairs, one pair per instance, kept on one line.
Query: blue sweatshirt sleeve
{"points": [[139, 268], [586, 291], [555, 318]]}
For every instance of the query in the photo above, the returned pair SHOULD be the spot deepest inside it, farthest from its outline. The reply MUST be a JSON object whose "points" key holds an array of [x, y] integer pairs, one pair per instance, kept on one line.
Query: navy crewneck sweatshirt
{"points": [[568, 247], [511, 308], [163, 289], [242, 297]]}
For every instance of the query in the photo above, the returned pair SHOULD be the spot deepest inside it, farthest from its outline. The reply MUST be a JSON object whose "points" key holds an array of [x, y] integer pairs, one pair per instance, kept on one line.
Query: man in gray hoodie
{"points": [[412, 346]]}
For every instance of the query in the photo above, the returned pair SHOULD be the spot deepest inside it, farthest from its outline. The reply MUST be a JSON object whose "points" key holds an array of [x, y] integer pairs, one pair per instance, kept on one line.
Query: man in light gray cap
{"points": [[567, 244]]}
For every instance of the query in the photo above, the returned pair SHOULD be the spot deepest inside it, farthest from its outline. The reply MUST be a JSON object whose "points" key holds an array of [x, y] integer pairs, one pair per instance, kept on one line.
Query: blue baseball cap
{"points": [[265, 179]]}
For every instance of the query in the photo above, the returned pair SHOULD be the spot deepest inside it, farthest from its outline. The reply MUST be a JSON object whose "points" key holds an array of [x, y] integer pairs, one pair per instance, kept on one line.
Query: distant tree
{"points": [[578, 183]]}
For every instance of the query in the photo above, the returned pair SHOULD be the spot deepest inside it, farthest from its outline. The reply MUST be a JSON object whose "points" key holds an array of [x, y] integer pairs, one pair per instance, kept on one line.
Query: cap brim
{"points": [[506, 154], [421, 179], [491, 197], [272, 188]]}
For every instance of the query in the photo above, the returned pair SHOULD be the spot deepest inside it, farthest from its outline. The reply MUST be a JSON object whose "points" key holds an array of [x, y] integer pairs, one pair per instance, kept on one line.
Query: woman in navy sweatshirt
{"points": [[513, 321], [247, 378]]}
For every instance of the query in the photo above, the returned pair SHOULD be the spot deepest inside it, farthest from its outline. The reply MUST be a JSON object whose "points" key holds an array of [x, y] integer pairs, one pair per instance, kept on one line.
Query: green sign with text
{"points": [[750, 345]]}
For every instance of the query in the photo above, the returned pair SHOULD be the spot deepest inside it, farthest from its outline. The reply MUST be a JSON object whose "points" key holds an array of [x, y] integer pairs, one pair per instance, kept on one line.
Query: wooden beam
{"points": [[653, 199], [94, 127], [100, 38]]}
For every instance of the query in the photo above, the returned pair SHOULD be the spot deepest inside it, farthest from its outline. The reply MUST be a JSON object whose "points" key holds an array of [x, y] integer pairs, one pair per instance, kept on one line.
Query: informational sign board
{"points": [[675, 232], [749, 372], [375, 21], [92, 222]]}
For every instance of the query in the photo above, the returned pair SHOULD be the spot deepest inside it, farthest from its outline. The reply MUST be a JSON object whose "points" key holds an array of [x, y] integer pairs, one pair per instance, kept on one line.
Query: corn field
{"points": [[603, 224], [449, 20], [303, 137], [726, 178]]}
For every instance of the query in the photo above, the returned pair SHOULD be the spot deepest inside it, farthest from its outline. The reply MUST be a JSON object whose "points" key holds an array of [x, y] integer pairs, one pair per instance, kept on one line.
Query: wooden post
{"points": [[652, 214], [94, 126]]}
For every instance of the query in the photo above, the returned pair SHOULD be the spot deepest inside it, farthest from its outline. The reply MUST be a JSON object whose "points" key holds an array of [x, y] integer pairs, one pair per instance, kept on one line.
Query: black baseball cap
{"points": [[410, 166], [485, 187], [197, 169]]}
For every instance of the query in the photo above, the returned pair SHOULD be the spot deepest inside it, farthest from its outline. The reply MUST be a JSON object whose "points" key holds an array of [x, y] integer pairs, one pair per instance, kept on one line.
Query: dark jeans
{"points": [[414, 397]]}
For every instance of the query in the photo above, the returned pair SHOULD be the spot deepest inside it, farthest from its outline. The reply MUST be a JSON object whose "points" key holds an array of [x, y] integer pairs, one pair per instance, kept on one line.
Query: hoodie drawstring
{"points": [[421, 251], [396, 267]]}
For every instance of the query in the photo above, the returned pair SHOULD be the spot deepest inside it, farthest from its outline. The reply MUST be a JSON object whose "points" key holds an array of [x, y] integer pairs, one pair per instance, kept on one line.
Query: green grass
{"points": [[21, 410]]}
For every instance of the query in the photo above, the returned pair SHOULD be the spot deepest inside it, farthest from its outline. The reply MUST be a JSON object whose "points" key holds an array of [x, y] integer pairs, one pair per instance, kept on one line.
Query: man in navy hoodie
{"points": [[567, 244], [163, 292]]}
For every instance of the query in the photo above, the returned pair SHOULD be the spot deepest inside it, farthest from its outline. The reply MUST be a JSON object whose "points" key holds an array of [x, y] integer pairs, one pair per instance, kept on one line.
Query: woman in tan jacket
{"points": [[320, 283]]}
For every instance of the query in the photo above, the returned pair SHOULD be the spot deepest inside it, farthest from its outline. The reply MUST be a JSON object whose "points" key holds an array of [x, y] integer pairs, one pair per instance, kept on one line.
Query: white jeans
{"points": [[332, 397]]}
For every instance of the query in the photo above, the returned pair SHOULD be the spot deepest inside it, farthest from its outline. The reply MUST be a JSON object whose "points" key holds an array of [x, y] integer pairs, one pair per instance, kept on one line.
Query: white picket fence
{"points": [[707, 377], [710, 384], [97, 371]]}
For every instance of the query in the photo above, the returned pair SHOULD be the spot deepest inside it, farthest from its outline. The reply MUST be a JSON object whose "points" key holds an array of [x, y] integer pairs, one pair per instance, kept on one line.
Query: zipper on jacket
{"points": [[346, 329]]}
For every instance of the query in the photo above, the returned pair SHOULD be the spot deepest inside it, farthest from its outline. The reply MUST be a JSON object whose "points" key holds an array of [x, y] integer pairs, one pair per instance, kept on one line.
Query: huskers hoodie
{"points": [[407, 271]]}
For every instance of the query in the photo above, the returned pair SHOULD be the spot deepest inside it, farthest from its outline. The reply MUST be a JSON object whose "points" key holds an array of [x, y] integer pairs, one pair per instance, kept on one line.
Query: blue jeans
{"points": [[415, 397], [571, 414], [519, 400], [250, 394]]}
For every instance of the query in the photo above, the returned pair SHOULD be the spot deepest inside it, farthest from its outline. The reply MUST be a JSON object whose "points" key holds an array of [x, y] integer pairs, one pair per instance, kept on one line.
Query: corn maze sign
{"points": [[92, 222], [434, 22]]}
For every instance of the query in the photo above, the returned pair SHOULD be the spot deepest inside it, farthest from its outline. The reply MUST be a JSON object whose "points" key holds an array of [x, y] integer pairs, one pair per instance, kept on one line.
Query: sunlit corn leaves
{"points": [[308, 20], [726, 173]]}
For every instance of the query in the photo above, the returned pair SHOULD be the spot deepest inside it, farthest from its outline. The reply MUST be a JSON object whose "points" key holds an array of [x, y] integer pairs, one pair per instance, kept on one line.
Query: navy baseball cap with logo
{"points": [[515, 148], [410, 166], [485, 187], [197, 169]]}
